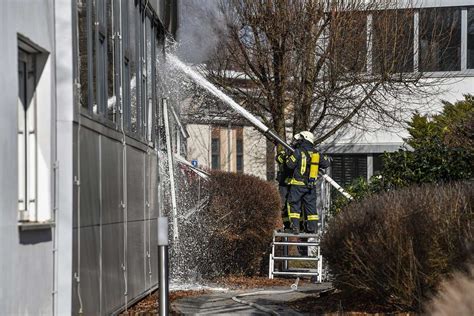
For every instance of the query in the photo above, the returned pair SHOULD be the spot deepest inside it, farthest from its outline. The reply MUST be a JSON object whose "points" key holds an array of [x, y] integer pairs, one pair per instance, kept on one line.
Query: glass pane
{"points": [[132, 54], [440, 39], [377, 164], [240, 146], [22, 100], [82, 37], [93, 99], [349, 42], [392, 50], [141, 104], [149, 77], [347, 168], [470, 38], [111, 99], [215, 150]]}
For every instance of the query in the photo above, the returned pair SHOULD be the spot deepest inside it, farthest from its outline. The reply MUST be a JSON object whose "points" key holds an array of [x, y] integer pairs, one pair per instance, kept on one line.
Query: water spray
{"points": [[267, 132]]}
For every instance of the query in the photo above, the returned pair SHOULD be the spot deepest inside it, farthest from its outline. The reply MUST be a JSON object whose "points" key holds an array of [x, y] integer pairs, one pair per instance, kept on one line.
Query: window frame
{"points": [[27, 142], [37, 208]]}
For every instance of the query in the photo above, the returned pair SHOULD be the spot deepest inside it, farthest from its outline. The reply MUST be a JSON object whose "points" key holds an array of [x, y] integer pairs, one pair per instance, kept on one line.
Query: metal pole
{"points": [[163, 268]]}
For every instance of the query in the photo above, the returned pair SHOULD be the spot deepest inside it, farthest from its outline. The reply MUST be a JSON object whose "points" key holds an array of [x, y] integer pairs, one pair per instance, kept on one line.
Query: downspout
{"points": [[174, 206]]}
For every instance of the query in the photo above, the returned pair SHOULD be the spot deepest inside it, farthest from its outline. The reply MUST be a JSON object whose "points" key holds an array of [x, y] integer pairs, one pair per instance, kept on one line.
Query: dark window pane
{"points": [[141, 70], [240, 155], [111, 100], [149, 77], [440, 39], [215, 153], [349, 42], [378, 164], [347, 168], [93, 98], [83, 36], [133, 58], [470, 38], [126, 76], [392, 50]]}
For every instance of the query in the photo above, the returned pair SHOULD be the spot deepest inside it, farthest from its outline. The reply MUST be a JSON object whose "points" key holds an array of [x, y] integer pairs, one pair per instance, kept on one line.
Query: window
{"points": [[392, 50], [83, 47], [377, 163], [440, 39], [133, 60], [27, 161], [215, 149], [111, 104], [141, 71], [349, 42], [470, 38], [97, 57], [240, 150], [347, 168], [149, 80]]}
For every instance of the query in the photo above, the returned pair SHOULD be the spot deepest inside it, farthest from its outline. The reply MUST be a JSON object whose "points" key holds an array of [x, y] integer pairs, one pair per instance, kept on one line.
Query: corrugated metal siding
{"points": [[110, 237]]}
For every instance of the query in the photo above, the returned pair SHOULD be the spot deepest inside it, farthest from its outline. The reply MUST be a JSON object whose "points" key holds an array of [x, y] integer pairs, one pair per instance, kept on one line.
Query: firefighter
{"points": [[283, 177], [305, 163]]}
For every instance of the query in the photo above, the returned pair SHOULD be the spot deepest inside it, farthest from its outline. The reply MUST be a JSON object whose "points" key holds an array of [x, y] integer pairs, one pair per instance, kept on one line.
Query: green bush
{"points": [[358, 189], [243, 212], [394, 248], [442, 148]]}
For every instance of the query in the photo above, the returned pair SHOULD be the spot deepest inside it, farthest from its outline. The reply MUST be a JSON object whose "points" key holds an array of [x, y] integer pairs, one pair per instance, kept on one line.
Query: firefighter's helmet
{"points": [[305, 135]]}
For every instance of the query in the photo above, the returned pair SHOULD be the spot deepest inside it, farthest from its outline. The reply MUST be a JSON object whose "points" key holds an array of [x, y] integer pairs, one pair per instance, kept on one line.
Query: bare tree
{"points": [[321, 65]]}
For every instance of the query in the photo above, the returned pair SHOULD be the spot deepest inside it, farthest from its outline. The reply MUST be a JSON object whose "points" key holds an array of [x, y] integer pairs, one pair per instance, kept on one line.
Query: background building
{"points": [[357, 152]]}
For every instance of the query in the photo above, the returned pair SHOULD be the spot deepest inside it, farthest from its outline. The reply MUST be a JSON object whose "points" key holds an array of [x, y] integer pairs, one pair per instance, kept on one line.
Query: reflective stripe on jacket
{"points": [[300, 161]]}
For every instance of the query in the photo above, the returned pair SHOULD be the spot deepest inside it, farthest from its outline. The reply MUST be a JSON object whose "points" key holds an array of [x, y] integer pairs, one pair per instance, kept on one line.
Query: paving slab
{"points": [[221, 303]]}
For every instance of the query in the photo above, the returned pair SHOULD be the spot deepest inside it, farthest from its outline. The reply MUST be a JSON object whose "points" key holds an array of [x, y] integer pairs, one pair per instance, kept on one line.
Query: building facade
{"points": [[79, 174]]}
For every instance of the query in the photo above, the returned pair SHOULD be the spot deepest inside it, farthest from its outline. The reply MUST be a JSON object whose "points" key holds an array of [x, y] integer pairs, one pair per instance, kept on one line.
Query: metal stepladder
{"points": [[283, 240]]}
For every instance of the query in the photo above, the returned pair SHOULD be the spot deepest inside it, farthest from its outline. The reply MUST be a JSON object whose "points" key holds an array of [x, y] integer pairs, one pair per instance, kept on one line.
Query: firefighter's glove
{"points": [[281, 157]]}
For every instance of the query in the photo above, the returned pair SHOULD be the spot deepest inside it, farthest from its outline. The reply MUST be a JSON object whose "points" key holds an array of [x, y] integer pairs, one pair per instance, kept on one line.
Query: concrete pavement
{"points": [[221, 303]]}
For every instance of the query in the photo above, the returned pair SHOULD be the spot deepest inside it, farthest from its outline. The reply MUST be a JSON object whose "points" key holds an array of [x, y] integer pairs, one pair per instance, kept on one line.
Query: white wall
{"points": [[374, 137], [26, 257], [199, 144], [199, 148], [255, 153]]}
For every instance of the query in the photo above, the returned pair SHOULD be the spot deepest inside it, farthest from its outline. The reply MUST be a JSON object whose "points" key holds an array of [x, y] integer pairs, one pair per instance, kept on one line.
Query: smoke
{"points": [[200, 23]]}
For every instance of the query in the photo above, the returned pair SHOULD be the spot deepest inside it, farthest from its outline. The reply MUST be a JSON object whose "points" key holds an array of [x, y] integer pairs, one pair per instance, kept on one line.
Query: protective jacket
{"points": [[305, 163], [284, 173]]}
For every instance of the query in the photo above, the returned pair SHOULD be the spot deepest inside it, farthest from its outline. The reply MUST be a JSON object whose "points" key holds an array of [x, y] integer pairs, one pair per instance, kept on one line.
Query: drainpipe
{"points": [[174, 207]]}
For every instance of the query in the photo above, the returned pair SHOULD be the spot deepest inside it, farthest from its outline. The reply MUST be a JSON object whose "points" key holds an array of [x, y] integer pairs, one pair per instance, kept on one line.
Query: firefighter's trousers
{"points": [[284, 189], [302, 197]]}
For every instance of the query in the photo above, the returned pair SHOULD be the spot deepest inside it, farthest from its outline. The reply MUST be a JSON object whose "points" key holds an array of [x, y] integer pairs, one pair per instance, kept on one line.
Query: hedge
{"points": [[394, 248]]}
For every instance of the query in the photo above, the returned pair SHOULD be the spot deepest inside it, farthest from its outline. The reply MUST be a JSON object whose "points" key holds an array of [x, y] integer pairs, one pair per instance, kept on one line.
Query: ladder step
{"points": [[297, 258], [302, 235], [296, 243], [294, 273]]}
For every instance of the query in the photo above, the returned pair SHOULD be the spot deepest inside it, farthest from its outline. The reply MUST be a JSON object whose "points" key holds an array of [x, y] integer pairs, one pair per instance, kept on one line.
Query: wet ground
{"points": [[256, 301]]}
